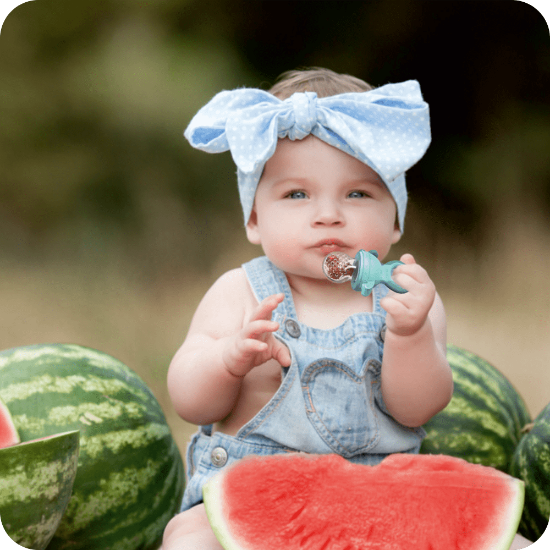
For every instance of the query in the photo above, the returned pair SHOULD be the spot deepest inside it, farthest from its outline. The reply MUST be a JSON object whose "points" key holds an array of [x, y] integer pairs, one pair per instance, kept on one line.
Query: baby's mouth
{"points": [[326, 246]]}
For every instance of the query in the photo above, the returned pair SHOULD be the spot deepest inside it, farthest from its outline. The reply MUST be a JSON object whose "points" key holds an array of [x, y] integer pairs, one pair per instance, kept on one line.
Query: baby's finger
{"points": [[251, 347], [266, 307], [406, 281], [281, 353], [410, 273], [395, 304], [256, 329], [408, 259]]}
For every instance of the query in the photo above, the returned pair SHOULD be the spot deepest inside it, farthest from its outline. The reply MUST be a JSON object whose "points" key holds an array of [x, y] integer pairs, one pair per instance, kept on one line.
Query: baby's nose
{"points": [[328, 213]]}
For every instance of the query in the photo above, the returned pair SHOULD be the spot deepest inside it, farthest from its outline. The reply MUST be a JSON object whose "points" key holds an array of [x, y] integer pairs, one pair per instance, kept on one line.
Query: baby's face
{"points": [[314, 199]]}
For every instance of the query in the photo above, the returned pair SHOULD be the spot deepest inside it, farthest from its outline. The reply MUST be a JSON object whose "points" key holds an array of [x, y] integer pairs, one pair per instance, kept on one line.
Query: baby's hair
{"points": [[322, 81]]}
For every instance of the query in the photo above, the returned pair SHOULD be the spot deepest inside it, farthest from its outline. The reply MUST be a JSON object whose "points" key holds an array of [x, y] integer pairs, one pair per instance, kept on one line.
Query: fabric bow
{"points": [[387, 128]]}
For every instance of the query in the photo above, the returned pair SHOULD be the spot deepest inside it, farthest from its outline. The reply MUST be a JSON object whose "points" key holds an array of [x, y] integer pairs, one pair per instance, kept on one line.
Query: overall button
{"points": [[219, 457], [293, 328], [383, 333]]}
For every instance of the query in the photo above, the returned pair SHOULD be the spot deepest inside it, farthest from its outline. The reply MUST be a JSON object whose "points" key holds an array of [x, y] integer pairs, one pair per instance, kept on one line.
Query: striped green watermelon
{"points": [[130, 473], [531, 463], [483, 422], [36, 480]]}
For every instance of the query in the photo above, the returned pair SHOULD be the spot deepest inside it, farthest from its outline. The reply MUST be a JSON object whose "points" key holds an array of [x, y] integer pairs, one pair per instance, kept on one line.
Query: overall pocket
{"points": [[340, 405]]}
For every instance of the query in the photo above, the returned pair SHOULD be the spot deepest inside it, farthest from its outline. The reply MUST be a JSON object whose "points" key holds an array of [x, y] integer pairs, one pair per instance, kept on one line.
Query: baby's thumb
{"points": [[281, 353]]}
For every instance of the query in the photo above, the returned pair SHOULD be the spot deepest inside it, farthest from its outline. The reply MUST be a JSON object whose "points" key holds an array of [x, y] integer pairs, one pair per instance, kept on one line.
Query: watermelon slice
{"points": [[425, 502], [8, 433]]}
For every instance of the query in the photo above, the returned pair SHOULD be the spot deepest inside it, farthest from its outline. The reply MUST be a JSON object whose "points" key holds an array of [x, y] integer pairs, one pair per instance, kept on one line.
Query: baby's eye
{"points": [[358, 195], [296, 195]]}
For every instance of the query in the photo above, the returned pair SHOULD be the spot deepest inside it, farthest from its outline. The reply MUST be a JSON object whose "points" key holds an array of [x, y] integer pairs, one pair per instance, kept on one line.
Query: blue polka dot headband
{"points": [[387, 128]]}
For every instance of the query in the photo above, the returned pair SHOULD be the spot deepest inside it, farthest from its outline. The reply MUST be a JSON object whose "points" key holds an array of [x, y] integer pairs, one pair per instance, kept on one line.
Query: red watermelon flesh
{"points": [[8, 433], [302, 502]]}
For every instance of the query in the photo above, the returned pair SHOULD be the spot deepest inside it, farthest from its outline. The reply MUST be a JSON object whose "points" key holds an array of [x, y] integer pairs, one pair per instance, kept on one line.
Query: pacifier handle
{"points": [[389, 282]]}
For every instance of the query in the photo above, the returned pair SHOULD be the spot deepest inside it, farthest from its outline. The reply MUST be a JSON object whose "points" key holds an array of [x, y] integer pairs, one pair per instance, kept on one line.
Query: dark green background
{"points": [[96, 95]]}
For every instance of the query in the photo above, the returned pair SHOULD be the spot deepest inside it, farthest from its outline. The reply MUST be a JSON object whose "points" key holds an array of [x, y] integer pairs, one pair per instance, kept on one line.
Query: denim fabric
{"points": [[329, 400]]}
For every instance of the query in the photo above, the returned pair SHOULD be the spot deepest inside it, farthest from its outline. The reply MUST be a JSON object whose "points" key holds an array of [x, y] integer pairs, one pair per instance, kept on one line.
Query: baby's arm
{"points": [[416, 377], [226, 340]]}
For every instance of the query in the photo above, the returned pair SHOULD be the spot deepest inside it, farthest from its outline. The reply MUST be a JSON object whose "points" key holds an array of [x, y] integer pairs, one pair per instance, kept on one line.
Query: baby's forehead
{"points": [[311, 155]]}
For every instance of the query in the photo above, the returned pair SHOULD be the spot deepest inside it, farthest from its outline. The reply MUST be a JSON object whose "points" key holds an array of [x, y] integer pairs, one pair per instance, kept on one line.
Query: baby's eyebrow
{"points": [[376, 180], [299, 181]]}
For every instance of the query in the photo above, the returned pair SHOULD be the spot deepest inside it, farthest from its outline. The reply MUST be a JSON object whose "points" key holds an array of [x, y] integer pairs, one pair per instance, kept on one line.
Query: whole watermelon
{"points": [[483, 422], [130, 480], [531, 463]]}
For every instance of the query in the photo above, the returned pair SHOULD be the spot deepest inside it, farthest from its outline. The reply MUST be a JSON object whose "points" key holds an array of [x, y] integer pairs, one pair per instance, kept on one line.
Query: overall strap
{"points": [[266, 279]]}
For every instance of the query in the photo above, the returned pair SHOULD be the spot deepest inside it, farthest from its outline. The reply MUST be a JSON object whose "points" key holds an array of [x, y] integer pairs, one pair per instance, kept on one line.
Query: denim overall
{"points": [[329, 400]]}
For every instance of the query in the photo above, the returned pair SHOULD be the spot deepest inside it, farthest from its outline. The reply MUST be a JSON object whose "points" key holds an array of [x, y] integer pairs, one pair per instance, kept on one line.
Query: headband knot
{"points": [[304, 106], [387, 128]]}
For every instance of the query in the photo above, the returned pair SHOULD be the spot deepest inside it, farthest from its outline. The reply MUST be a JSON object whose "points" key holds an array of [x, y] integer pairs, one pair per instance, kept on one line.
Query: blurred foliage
{"points": [[95, 95]]}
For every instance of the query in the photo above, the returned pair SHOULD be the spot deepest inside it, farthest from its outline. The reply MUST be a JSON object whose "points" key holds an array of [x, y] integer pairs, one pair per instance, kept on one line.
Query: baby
{"points": [[279, 359]]}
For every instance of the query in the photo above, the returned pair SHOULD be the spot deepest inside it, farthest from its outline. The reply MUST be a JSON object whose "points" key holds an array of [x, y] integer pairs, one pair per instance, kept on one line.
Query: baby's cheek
{"points": [[284, 254]]}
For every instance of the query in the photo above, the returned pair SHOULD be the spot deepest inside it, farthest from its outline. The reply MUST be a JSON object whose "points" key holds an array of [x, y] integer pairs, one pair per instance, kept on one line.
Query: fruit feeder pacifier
{"points": [[365, 271]]}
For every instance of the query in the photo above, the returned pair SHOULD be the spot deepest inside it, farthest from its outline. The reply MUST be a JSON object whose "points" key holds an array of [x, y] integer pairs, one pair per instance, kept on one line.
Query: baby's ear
{"points": [[252, 231], [396, 233]]}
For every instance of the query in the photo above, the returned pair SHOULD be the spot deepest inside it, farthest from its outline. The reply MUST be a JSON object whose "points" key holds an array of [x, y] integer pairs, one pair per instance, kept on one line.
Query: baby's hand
{"points": [[255, 343], [408, 312]]}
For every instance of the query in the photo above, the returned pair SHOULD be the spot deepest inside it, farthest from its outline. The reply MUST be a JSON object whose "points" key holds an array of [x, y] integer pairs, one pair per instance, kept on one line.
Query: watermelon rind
{"points": [[484, 420], [130, 477], [531, 463], [212, 494], [514, 514], [217, 506], [36, 483]]}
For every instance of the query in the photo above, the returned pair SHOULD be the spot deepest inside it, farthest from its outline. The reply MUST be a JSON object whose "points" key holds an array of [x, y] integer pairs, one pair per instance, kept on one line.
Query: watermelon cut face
{"points": [[8, 432], [425, 502]]}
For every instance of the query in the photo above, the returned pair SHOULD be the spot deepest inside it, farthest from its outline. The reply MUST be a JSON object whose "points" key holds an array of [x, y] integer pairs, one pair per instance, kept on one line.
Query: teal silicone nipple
{"points": [[364, 271]]}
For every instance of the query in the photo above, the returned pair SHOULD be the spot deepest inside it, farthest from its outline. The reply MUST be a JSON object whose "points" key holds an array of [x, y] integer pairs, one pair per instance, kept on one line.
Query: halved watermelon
{"points": [[36, 482], [425, 502]]}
